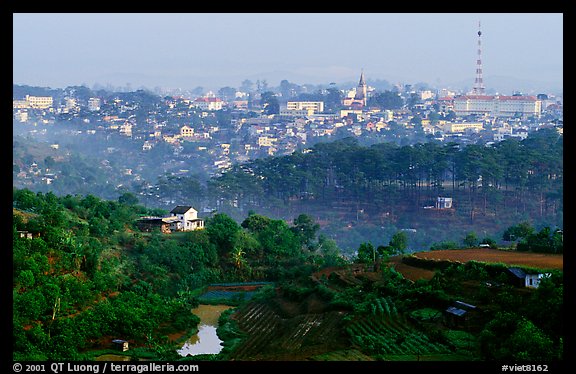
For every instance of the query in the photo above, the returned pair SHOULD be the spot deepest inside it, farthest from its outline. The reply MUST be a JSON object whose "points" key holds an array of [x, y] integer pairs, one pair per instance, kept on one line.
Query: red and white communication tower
{"points": [[479, 83]]}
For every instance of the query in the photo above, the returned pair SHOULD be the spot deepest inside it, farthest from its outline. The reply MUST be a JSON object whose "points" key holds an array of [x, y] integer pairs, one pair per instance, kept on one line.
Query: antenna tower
{"points": [[479, 83]]}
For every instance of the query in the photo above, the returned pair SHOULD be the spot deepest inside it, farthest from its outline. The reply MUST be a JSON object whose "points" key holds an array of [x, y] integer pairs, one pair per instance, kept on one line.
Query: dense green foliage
{"points": [[390, 317], [88, 275]]}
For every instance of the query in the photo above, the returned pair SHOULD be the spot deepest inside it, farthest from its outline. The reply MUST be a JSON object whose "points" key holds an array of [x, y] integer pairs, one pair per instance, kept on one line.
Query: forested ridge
{"points": [[389, 176], [363, 193], [356, 192]]}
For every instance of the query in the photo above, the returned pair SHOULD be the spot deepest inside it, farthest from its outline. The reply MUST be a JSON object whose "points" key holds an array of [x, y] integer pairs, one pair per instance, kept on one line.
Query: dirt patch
{"points": [[177, 336], [536, 260], [410, 272], [413, 273]]}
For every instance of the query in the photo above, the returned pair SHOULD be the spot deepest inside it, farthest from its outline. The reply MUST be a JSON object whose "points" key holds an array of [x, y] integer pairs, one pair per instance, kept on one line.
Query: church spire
{"points": [[361, 91], [362, 82]]}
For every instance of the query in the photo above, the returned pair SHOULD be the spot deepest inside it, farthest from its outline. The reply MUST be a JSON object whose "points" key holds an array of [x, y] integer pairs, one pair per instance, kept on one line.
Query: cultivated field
{"points": [[535, 260], [272, 337], [412, 273]]}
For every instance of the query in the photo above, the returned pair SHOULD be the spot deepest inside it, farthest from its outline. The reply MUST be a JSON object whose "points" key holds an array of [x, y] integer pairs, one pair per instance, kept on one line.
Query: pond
{"points": [[206, 341]]}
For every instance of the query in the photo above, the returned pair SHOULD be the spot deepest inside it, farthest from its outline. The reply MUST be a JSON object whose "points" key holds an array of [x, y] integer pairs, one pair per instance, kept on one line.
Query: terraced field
{"points": [[380, 333], [385, 333], [392, 336], [272, 337]]}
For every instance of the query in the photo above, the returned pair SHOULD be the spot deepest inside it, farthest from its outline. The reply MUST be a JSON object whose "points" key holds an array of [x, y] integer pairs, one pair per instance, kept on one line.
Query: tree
{"points": [[246, 85], [227, 93], [386, 100], [305, 229], [518, 231], [49, 162], [471, 239], [546, 241], [333, 99], [270, 103], [128, 198], [399, 242], [529, 343], [256, 223], [510, 336], [367, 253], [287, 89], [329, 251], [238, 258], [222, 231]]}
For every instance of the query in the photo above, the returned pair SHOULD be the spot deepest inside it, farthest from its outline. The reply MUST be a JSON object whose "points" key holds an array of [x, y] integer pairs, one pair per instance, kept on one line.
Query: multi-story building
{"points": [[315, 106], [450, 127], [497, 105], [285, 113], [266, 141], [21, 116], [94, 104], [20, 104], [445, 103], [186, 131], [39, 102], [34, 102], [208, 103]]}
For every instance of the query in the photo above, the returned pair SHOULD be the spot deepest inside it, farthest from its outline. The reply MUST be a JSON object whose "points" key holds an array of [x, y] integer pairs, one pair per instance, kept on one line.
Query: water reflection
{"points": [[206, 341]]}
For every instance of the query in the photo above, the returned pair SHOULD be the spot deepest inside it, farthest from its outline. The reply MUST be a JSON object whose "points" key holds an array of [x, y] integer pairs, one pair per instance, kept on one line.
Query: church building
{"points": [[360, 98]]}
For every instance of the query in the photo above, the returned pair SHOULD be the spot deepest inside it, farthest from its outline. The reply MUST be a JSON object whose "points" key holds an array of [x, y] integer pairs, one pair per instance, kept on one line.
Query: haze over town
{"points": [[520, 51]]}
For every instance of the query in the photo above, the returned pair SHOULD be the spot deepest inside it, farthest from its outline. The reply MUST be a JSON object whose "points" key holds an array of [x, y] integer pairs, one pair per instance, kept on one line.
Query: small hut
{"points": [[121, 345]]}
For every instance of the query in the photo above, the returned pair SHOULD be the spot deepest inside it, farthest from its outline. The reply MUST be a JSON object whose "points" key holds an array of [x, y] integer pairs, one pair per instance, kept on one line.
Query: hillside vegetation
{"points": [[87, 275]]}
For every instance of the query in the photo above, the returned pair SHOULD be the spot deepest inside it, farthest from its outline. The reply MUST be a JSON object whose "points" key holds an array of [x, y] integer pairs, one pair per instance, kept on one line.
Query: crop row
{"points": [[390, 337], [261, 324], [384, 306], [310, 329], [268, 332]]}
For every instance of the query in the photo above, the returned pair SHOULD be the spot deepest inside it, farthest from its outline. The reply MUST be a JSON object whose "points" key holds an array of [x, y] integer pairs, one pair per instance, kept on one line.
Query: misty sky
{"points": [[212, 50]]}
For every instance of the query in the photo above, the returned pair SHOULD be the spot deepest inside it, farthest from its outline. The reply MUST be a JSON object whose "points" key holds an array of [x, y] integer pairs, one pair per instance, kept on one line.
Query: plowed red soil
{"points": [[411, 272], [536, 260]]}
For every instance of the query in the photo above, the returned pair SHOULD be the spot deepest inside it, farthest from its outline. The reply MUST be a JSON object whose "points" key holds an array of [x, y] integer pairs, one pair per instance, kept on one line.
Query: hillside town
{"points": [[234, 126]]}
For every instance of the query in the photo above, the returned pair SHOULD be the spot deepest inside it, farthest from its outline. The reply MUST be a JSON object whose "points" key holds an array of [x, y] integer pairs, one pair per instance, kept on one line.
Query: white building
{"points": [[315, 106], [459, 127], [208, 103], [444, 203], [186, 131], [185, 218], [93, 104], [34, 102], [40, 102], [498, 106]]}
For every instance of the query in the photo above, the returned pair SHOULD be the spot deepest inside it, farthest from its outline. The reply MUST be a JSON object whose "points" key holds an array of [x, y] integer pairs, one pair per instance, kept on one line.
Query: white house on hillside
{"points": [[185, 218]]}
